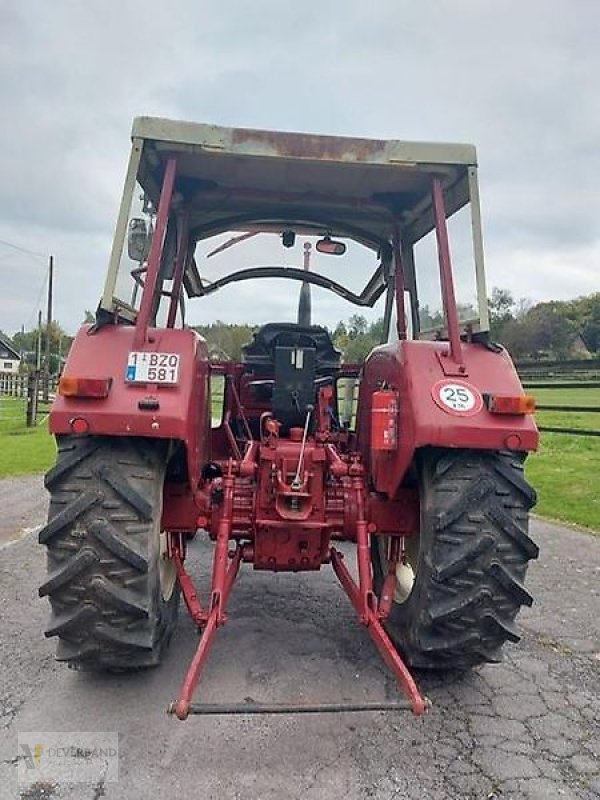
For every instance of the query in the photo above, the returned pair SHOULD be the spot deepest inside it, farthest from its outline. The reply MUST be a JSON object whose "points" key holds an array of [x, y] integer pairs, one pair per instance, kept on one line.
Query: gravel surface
{"points": [[527, 728]]}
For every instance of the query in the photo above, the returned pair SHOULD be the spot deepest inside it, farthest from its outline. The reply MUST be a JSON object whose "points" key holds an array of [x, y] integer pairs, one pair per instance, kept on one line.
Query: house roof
{"points": [[7, 350]]}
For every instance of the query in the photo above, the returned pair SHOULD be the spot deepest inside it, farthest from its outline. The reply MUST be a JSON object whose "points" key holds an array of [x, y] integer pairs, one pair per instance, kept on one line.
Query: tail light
{"points": [[97, 388], [510, 404]]}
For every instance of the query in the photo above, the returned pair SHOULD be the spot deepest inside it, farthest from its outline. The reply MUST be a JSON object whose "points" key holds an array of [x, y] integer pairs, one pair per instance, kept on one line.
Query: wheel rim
{"points": [[166, 570], [406, 570]]}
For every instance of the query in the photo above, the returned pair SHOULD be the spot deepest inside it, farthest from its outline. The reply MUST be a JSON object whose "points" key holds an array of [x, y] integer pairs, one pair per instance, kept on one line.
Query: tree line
{"points": [[552, 330], [556, 329]]}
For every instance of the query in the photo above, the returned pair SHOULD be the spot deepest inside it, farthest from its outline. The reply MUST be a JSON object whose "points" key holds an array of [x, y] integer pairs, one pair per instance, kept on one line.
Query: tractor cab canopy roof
{"points": [[235, 179], [232, 178]]}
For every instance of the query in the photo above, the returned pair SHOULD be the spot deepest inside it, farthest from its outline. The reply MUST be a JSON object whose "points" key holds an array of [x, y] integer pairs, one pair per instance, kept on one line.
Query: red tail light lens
{"points": [[84, 387], [510, 404]]}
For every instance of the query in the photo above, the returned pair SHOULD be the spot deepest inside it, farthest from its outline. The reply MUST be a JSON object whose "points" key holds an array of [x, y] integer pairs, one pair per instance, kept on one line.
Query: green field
{"points": [[23, 450], [568, 397], [565, 471], [566, 474]]}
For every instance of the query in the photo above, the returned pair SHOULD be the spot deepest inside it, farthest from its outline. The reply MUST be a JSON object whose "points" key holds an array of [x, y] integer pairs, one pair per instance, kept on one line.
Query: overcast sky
{"points": [[518, 79]]}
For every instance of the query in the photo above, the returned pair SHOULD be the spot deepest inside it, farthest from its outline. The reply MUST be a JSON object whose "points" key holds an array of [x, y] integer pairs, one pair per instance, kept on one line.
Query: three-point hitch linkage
{"points": [[307, 494]]}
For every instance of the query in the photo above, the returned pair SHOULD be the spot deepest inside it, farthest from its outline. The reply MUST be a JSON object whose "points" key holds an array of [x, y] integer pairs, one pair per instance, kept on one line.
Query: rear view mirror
{"points": [[331, 247], [138, 240]]}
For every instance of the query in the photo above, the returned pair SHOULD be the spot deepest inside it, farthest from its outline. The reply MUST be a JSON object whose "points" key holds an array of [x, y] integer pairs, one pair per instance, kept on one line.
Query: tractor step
{"points": [[213, 709]]}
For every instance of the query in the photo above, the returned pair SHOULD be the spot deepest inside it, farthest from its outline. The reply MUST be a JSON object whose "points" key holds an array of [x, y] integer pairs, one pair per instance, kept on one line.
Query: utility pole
{"points": [[48, 327], [38, 349]]}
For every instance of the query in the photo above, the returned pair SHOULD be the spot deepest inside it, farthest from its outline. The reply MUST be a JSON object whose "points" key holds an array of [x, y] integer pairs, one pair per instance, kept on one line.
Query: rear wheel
{"points": [[462, 584], [114, 598]]}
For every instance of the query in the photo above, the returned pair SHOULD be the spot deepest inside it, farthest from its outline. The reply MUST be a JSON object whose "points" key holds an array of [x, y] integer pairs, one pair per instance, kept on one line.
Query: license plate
{"points": [[153, 368]]}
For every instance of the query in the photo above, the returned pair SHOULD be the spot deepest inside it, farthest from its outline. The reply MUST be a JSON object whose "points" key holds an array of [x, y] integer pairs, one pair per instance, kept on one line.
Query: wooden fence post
{"points": [[32, 398]]}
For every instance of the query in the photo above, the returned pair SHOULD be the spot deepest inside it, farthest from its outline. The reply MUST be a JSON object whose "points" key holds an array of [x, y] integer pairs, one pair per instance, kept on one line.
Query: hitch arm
{"points": [[215, 618], [382, 641]]}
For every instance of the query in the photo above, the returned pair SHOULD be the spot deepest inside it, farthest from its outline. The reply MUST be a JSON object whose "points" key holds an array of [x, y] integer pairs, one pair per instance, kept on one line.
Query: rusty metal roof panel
{"points": [[235, 177], [179, 135]]}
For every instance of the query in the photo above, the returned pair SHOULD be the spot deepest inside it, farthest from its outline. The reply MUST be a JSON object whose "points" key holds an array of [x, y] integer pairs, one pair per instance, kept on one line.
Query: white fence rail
{"points": [[36, 391], [16, 385]]}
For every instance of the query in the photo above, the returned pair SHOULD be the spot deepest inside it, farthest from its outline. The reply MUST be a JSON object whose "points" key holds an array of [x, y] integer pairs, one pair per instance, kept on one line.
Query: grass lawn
{"points": [[566, 469], [566, 475], [23, 450], [566, 397]]}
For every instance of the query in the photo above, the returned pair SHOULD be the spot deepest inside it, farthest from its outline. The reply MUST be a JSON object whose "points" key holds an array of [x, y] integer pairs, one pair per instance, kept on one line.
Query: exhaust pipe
{"points": [[304, 301]]}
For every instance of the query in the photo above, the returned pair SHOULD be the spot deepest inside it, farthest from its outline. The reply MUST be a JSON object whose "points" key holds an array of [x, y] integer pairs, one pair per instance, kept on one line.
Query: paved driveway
{"points": [[528, 728]]}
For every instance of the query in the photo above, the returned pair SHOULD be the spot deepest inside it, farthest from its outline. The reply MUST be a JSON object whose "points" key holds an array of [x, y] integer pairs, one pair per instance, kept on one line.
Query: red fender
{"points": [[177, 412], [427, 382]]}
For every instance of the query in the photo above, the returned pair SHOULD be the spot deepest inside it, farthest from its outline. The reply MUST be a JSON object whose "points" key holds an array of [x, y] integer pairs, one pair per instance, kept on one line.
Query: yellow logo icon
{"points": [[38, 750]]}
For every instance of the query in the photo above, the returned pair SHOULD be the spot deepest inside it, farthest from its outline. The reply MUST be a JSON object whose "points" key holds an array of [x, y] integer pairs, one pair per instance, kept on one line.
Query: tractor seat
{"points": [[288, 364], [259, 354]]}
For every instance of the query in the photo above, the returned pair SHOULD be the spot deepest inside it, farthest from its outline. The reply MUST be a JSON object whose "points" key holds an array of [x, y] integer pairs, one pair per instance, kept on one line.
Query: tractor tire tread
{"points": [[103, 586], [125, 491], [67, 516], [68, 571], [71, 455], [475, 552], [108, 536], [69, 621]]}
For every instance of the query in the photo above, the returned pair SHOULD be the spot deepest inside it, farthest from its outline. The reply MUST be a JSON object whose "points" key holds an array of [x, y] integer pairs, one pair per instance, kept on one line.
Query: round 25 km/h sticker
{"points": [[457, 397]]}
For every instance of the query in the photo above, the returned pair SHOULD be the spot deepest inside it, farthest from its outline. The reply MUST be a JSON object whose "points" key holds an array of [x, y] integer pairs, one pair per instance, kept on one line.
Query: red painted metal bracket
{"points": [[188, 590], [454, 363], [383, 643], [156, 249], [362, 602], [215, 618], [390, 580]]}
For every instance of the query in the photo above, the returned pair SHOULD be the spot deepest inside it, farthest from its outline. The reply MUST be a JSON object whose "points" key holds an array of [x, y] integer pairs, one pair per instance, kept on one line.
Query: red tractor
{"points": [[414, 457]]}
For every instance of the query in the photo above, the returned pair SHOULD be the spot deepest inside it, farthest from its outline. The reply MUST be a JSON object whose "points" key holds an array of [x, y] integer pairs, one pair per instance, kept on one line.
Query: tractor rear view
{"points": [[414, 458]]}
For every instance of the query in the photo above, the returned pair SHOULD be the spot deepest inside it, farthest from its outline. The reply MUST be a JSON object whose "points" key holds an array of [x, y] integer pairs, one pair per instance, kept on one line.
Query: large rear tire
{"points": [[466, 577], [114, 599]]}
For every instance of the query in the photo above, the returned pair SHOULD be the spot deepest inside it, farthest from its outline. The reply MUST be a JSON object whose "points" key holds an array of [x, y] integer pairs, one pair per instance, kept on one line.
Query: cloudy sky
{"points": [[518, 79]]}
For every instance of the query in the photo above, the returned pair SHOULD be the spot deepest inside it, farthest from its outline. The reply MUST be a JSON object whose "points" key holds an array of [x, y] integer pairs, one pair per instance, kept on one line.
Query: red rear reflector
{"points": [[84, 387], [510, 404], [79, 425]]}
